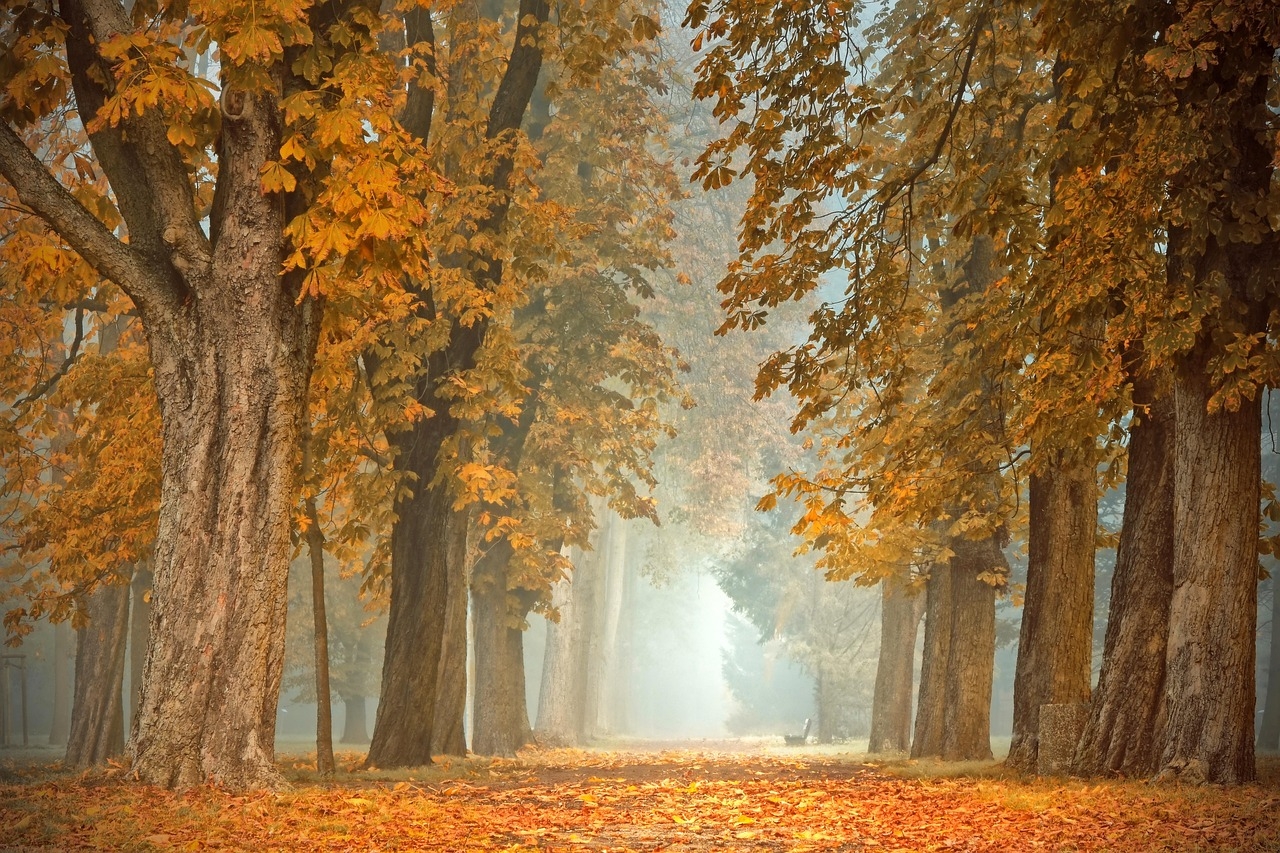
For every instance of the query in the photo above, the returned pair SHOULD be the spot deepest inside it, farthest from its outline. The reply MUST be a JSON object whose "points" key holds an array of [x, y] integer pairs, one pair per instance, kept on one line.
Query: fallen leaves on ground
{"points": [[637, 801]]}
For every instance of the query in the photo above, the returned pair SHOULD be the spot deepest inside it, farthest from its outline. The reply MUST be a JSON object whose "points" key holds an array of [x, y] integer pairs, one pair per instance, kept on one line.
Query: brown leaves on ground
{"points": [[636, 801]]}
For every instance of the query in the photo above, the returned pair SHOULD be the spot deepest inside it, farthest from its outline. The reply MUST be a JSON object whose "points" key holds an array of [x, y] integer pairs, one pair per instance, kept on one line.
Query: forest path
{"points": [[675, 800]]}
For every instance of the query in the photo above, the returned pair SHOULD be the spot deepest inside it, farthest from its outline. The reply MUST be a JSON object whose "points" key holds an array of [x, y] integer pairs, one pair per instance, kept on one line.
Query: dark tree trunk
{"points": [[1209, 665], [139, 634], [1124, 733], [931, 700], [1269, 736], [64, 652], [966, 728], [449, 735], [501, 721], [426, 543], [355, 729], [97, 717], [900, 614], [320, 621], [1055, 643]]}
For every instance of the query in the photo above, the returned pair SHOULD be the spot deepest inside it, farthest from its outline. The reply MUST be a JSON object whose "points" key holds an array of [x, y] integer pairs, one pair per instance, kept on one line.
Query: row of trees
{"points": [[1045, 242], [323, 278]]}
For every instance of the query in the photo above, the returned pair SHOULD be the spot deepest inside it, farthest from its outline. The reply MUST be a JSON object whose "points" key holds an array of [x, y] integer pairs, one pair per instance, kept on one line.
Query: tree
{"points": [[231, 336]]}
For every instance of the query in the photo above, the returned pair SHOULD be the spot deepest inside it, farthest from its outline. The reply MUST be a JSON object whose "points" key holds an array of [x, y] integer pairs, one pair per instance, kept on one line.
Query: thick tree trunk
{"points": [[501, 722], [1055, 643], [1269, 736], [900, 614], [449, 735], [139, 634], [426, 545], [614, 565], [966, 729], [1126, 729], [97, 717], [931, 700], [355, 729], [64, 652], [1209, 684], [320, 640]]}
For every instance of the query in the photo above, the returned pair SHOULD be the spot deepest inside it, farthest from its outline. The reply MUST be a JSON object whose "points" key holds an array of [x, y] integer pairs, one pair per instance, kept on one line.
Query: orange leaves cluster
{"points": [[647, 801]]}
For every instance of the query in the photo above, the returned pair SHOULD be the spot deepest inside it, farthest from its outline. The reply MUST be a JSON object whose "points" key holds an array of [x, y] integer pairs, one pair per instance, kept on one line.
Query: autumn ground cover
{"points": [[633, 800]]}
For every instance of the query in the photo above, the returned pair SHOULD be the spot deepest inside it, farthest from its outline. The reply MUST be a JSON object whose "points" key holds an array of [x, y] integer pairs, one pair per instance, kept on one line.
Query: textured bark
{"points": [[966, 728], [425, 543], [139, 634], [501, 721], [900, 614], [1124, 733], [1269, 735], [97, 717], [1055, 643], [64, 651], [448, 737], [320, 641], [1209, 663], [355, 728], [931, 700]]}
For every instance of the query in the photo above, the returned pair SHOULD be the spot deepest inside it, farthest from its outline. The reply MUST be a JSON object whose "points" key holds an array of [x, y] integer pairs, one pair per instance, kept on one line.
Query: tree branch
{"points": [[48, 199], [73, 355]]}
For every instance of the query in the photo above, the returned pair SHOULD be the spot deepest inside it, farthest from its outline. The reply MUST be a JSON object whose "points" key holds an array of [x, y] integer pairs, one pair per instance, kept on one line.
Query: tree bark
{"points": [[324, 700], [501, 722], [1124, 733], [1055, 643], [1269, 736], [1209, 663], [614, 567], [900, 614], [97, 717], [966, 728], [139, 634], [64, 653], [931, 700], [355, 728], [449, 735], [561, 696]]}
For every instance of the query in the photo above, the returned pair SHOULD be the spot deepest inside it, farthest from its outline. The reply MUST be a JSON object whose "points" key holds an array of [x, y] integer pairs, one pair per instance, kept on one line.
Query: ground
{"points": [[698, 797]]}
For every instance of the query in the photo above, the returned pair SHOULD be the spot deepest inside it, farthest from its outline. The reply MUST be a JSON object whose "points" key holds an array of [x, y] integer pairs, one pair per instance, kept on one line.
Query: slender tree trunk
{"points": [[966, 729], [501, 722], [900, 614], [1125, 730], [139, 634], [931, 700], [828, 701], [324, 700], [614, 566], [1055, 643], [1269, 736], [64, 652], [355, 729], [589, 601], [97, 717], [1209, 664]]}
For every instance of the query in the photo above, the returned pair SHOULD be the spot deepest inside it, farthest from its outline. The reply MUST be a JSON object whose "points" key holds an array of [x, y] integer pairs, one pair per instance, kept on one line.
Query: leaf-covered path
{"points": [[643, 801]]}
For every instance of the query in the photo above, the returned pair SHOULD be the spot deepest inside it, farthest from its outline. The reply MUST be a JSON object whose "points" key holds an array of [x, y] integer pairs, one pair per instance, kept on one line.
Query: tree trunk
{"points": [[966, 729], [97, 717], [561, 695], [1125, 728], [355, 729], [827, 699], [426, 544], [1055, 643], [614, 582], [139, 635], [1269, 736], [64, 652], [1209, 684], [324, 699], [931, 700], [501, 722], [449, 734], [589, 601], [900, 614]]}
